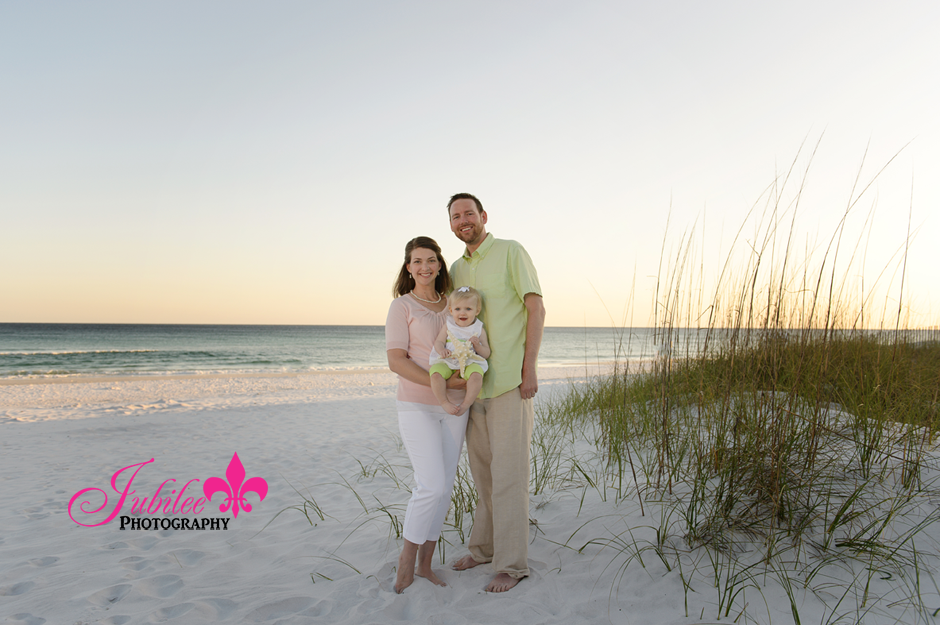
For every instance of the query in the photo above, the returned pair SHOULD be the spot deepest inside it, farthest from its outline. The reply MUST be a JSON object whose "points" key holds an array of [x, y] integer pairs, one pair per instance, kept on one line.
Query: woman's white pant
{"points": [[434, 440]]}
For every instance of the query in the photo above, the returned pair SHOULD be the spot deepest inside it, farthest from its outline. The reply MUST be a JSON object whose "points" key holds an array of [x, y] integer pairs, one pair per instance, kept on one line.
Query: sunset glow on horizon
{"points": [[265, 164]]}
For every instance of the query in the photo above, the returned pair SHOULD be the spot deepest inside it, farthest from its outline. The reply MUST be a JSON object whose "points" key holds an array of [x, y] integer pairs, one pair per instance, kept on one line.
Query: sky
{"points": [[246, 162]]}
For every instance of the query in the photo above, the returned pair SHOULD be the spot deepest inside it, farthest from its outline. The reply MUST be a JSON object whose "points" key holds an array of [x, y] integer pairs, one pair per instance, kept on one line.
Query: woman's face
{"points": [[424, 266]]}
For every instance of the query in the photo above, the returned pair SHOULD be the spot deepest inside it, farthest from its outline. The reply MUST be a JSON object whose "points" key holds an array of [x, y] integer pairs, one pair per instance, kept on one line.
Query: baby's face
{"points": [[464, 312]]}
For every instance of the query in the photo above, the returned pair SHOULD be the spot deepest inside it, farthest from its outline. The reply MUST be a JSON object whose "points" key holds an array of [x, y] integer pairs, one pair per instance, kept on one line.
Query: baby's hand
{"points": [[444, 353], [475, 341]]}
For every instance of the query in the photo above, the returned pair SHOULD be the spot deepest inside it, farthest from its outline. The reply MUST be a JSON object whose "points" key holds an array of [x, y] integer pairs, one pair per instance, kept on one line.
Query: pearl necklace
{"points": [[427, 301]]}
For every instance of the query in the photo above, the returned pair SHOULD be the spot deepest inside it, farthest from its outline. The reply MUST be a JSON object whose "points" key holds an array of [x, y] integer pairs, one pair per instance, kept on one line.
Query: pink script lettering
{"points": [[123, 492]]}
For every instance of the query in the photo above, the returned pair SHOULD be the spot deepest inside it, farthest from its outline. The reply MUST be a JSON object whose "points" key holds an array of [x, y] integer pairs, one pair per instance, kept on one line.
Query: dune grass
{"points": [[805, 455], [776, 432]]}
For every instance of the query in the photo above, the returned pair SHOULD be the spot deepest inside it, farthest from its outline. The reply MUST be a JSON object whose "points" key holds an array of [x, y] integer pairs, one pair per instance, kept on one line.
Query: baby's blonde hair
{"points": [[462, 293]]}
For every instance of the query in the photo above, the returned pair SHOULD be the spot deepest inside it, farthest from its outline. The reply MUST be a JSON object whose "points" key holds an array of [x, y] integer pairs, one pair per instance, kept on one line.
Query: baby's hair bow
{"points": [[463, 289]]}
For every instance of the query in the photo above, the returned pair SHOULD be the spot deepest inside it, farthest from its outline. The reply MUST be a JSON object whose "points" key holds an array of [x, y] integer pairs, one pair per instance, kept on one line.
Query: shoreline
{"points": [[83, 397], [86, 379], [143, 377]]}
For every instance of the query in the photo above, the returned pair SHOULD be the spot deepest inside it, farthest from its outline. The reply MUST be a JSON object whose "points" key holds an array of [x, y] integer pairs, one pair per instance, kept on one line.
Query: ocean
{"points": [[45, 350]]}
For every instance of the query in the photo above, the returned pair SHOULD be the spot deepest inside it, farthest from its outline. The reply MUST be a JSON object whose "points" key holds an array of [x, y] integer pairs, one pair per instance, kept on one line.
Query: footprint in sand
{"points": [[35, 513], [176, 611], [109, 596], [55, 504], [278, 609], [186, 557], [321, 608], [47, 561], [146, 544], [25, 618], [16, 589], [215, 609], [134, 563], [161, 586]]}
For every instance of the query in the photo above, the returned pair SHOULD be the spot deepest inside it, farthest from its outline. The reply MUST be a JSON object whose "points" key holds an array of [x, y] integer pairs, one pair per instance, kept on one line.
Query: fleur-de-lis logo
{"points": [[234, 488]]}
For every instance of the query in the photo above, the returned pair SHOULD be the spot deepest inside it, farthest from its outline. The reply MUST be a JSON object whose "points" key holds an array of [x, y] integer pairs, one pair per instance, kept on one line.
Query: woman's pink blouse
{"points": [[413, 328]]}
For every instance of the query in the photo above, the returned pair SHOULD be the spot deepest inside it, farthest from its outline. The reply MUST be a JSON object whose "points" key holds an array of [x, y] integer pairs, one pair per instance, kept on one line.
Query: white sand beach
{"points": [[325, 438]]}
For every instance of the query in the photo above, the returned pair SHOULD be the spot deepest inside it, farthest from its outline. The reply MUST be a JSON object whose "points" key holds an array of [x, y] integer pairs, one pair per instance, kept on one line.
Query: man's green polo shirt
{"points": [[503, 272]]}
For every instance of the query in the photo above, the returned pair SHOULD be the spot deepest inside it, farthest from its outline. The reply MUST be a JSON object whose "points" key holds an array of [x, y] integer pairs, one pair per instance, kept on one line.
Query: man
{"points": [[499, 430]]}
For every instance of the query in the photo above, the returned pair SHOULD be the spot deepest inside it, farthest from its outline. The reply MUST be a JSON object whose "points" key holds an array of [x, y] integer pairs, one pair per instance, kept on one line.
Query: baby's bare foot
{"points": [[450, 408]]}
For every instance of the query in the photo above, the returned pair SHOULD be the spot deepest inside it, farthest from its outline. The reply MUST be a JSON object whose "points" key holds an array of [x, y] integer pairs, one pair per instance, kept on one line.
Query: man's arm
{"points": [[535, 310]]}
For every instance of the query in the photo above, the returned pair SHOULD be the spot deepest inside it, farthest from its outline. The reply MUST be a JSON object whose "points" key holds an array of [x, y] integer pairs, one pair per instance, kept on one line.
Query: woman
{"points": [[432, 437]]}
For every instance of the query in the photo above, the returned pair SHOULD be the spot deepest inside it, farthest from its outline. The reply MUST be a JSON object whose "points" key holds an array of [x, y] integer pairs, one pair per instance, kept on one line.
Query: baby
{"points": [[462, 346]]}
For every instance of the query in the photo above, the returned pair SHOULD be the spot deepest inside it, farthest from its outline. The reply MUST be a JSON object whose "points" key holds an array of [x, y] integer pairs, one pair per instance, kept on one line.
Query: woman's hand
{"points": [[456, 383]]}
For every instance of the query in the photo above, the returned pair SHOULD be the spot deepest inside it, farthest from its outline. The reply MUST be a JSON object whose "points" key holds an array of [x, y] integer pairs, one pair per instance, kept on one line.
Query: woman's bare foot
{"points": [[464, 563], [429, 575], [502, 583], [404, 580], [425, 557], [406, 571]]}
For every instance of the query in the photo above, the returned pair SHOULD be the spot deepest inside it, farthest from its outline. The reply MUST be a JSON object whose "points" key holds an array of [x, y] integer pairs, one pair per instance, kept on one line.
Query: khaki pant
{"points": [[498, 436]]}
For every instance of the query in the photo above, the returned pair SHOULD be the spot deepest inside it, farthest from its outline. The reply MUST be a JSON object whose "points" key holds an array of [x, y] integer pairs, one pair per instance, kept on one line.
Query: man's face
{"points": [[467, 222]]}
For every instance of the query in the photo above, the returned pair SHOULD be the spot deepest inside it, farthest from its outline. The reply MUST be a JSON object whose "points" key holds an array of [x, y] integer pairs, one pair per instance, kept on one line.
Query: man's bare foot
{"points": [[502, 583], [464, 563], [406, 573], [429, 575]]}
